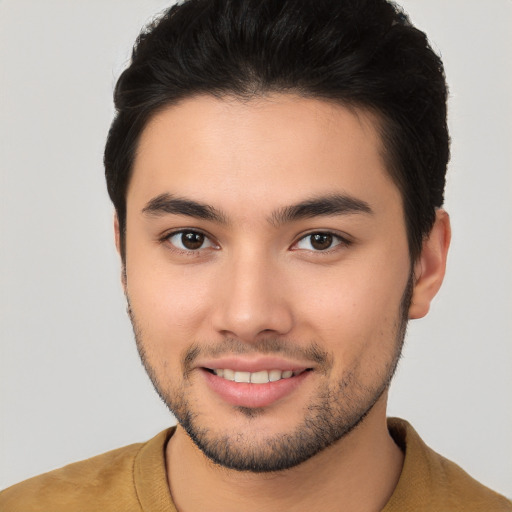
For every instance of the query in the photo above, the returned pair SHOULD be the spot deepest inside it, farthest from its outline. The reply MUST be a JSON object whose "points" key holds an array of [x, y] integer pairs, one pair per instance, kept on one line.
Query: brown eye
{"points": [[321, 241], [192, 241], [189, 240]]}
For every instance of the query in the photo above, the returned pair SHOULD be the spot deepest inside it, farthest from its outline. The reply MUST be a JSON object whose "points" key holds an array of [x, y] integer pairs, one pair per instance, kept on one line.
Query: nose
{"points": [[252, 300]]}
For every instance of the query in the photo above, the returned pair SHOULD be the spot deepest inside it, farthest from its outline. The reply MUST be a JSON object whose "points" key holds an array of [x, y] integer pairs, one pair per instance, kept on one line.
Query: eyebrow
{"points": [[168, 204], [323, 206], [333, 204]]}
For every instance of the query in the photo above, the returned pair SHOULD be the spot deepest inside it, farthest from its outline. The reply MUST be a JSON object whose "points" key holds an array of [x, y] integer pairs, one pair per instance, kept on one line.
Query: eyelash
{"points": [[188, 252], [341, 241]]}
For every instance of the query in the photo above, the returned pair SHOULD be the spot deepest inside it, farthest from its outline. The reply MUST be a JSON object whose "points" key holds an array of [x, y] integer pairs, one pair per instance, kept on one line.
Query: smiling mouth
{"points": [[260, 377]]}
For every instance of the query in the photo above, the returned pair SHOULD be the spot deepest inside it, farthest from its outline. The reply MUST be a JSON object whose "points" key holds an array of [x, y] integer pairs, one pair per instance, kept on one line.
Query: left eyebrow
{"points": [[333, 204], [168, 204]]}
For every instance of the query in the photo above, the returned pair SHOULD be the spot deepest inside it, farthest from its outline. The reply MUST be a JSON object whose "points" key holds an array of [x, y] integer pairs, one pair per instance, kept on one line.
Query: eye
{"points": [[320, 241], [188, 240]]}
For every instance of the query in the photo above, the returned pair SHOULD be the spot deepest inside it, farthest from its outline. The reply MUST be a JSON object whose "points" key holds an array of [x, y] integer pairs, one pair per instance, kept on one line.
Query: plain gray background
{"points": [[71, 382]]}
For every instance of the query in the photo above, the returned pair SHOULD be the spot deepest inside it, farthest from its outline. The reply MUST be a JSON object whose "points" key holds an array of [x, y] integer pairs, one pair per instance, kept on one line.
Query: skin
{"points": [[254, 280]]}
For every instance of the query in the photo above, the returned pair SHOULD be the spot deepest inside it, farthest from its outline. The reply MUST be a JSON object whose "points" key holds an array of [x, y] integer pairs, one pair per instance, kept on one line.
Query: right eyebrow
{"points": [[322, 206], [168, 204]]}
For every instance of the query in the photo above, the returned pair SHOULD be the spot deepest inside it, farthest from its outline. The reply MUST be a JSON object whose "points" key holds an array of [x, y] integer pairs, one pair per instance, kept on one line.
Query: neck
{"points": [[358, 473]]}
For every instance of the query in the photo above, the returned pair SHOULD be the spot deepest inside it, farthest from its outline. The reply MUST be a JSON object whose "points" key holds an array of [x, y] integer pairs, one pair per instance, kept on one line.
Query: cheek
{"points": [[169, 303], [355, 310]]}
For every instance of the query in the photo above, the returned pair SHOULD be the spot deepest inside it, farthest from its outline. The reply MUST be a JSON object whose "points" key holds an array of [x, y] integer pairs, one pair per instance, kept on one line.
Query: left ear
{"points": [[430, 267]]}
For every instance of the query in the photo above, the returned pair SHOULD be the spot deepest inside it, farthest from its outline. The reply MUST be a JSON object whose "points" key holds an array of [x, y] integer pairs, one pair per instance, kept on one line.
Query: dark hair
{"points": [[360, 53]]}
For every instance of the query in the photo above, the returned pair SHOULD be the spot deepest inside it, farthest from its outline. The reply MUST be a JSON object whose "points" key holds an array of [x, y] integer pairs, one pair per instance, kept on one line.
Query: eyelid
{"points": [[343, 240], [165, 238]]}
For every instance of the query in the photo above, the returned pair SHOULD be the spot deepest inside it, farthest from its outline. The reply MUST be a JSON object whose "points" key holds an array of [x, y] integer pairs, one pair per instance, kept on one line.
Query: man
{"points": [[277, 170]]}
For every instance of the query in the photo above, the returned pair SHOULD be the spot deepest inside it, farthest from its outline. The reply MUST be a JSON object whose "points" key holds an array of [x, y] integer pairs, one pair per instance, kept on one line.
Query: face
{"points": [[267, 273]]}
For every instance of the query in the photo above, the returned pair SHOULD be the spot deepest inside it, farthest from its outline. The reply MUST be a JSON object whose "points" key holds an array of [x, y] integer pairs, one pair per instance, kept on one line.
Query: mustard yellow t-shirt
{"points": [[133, 479]]}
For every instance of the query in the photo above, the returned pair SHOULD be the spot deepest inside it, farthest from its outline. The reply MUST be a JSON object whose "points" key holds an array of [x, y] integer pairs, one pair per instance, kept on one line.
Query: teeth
{"points": [[228, 374], [274, 375], [242, 377], [261, 377]]}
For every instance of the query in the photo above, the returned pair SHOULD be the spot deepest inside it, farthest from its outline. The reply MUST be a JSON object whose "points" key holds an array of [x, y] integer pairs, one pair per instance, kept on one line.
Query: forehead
{"points": [[271, 150]]}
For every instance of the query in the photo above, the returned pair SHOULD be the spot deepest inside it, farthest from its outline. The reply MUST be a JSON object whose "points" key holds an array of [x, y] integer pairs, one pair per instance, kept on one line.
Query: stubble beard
{"points": [[335, 411]]}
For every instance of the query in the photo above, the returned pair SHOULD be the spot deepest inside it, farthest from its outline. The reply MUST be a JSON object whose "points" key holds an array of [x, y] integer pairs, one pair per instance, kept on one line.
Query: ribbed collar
{"points": [[150, 476], [428, 481]]}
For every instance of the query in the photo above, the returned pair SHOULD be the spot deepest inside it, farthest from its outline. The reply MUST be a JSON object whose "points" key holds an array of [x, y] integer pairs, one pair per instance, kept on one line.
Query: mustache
{"points": [[274, 346]]}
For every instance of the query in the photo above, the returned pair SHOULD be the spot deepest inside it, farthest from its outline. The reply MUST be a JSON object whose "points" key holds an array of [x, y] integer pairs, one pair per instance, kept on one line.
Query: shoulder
{"points": [[104, 482], [432, 482], [460, 489]]}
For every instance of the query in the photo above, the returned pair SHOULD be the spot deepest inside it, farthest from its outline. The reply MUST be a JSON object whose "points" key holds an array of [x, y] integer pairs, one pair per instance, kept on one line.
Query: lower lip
{"points": [[243, 394]]}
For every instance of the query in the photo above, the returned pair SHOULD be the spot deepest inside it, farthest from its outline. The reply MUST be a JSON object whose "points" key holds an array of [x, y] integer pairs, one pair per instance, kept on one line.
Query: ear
{"points": [[430, 267], [117, 235]]}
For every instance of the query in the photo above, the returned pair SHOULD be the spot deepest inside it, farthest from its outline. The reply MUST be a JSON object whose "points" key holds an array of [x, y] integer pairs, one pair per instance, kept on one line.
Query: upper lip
{"points": [[255, 364]]}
